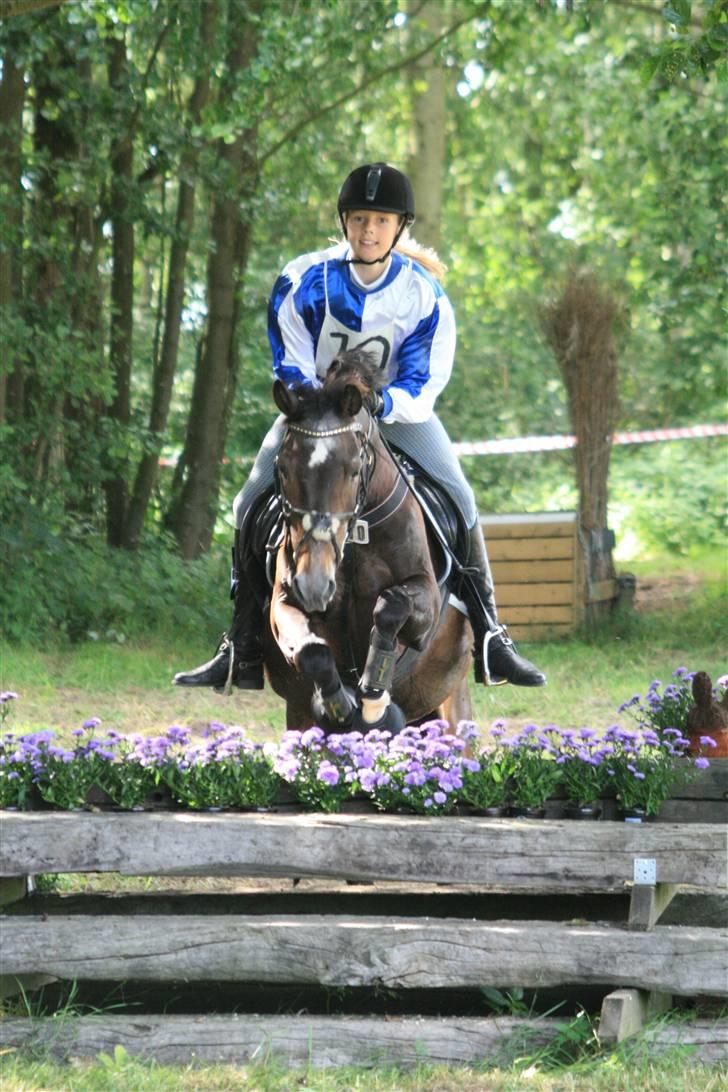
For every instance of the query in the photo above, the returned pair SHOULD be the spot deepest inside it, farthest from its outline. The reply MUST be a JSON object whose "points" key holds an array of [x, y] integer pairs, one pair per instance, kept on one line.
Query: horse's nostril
{"points": [[313, 595]]}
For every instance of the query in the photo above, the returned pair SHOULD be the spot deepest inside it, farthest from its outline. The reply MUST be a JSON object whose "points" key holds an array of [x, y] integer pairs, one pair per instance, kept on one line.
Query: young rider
{"points": [[369, 292]]}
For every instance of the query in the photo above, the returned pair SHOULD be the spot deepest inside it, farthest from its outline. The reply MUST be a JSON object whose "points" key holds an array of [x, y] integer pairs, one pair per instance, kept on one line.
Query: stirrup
{"points": [[228, 687], [488, 679]]}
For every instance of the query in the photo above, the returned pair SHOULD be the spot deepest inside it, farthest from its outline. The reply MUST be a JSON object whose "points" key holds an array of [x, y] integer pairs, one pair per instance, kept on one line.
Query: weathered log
{"points": [[352, 951], [505, 853], [706, 1038], [318, 1041], [323, 1041]]}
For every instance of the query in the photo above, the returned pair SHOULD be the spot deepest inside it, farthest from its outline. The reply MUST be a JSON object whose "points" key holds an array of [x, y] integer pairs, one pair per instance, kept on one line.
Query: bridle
{"points": [[323, 526]]}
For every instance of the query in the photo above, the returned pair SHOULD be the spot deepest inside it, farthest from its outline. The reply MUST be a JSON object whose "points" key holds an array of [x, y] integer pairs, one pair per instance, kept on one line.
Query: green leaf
{"points": [[648, 69], [677, 12]]}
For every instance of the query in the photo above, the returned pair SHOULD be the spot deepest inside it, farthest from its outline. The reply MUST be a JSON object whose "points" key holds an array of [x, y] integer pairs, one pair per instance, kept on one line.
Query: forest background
{"points": [[161, 160]]}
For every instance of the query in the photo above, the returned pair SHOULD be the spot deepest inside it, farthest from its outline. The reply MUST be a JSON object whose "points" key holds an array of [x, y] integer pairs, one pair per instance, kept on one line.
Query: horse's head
{"points": [[323, 470]]}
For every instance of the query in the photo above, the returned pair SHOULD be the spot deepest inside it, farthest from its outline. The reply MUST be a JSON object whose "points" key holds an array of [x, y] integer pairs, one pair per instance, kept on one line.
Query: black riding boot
{"points": [[496, 658], [238, 660]]}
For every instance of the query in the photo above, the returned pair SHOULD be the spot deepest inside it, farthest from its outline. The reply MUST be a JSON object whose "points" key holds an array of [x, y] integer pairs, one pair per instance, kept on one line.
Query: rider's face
{"points": [[371, 233]]}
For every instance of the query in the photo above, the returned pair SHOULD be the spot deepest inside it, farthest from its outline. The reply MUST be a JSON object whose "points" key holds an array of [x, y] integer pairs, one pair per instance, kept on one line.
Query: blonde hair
{"points": [[425, 255]]}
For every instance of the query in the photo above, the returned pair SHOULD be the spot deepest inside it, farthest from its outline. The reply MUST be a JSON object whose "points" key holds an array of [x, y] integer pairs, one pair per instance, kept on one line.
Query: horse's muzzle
{"points": [[313, 590]]}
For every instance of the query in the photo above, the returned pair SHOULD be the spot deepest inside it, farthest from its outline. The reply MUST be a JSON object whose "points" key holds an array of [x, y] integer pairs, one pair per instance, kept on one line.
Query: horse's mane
{"points": [[354, 368]]}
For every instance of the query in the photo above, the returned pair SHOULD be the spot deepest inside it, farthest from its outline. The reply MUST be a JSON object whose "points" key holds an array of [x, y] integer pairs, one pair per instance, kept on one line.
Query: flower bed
{"points": [[427, 770]]}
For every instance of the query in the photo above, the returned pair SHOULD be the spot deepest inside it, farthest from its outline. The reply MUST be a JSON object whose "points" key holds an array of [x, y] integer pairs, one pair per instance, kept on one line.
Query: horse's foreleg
{"points": [[311, 657], [391, 611]]}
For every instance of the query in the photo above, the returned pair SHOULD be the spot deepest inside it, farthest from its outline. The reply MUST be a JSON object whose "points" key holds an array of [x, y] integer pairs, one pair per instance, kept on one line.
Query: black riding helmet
{"points": [[379, 187]]}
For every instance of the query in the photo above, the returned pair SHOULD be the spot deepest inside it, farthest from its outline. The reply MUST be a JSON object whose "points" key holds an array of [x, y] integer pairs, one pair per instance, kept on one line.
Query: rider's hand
{"points": [[376, 404]]}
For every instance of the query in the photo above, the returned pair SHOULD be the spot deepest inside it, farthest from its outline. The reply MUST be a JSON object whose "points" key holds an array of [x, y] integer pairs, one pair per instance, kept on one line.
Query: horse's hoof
{"points": [[392, 720], [342, 722]]}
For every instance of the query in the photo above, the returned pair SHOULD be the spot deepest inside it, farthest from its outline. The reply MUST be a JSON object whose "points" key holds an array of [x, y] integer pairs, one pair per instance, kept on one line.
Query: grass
{"points": [[679, 620], [623, 1070]]}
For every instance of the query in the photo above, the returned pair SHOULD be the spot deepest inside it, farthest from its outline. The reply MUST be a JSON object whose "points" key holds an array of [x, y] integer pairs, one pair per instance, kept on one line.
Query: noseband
{"points": [[323, 526]]}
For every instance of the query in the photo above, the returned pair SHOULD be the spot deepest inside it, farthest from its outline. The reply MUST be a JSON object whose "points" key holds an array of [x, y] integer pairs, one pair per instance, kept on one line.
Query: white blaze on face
{"points": [[321, 451]]}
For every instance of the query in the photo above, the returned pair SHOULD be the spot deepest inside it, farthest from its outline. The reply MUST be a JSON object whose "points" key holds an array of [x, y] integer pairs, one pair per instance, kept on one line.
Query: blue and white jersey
{"points": [[319, 308]]}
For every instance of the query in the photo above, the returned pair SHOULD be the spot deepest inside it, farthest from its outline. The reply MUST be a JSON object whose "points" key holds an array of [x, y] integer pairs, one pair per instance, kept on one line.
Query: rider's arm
{"points": [[424, 365], [290, 340]]}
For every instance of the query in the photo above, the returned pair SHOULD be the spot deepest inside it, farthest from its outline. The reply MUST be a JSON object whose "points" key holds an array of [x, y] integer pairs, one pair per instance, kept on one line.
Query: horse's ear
{"points": [[286, 400], [351, 400]]}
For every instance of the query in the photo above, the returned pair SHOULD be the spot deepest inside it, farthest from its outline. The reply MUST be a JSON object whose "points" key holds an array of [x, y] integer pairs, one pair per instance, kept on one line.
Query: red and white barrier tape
{"points": [[559, 443]]}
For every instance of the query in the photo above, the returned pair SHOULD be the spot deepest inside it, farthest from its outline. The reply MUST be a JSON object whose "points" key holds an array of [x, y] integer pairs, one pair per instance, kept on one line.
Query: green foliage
{"points": [[690, 52], [67, 584], [671, 497]]}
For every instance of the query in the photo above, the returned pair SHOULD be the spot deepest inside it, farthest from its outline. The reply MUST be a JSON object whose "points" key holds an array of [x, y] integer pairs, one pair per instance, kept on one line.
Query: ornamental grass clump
{"points": [[419, 770], [535, 772], [321, 769], [486, 779], [224, 770], [585, 773]]}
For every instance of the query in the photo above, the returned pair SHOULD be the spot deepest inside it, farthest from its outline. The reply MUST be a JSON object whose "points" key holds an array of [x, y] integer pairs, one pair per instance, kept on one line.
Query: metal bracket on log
{"points": [[649, 898]]}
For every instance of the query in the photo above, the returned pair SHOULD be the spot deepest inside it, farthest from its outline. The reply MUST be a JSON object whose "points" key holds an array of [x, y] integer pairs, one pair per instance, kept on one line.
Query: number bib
{"points": [[378, 340]]}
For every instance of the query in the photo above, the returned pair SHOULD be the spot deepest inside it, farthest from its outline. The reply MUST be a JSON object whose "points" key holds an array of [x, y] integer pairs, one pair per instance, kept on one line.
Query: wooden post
{"points": [[647, 903], [625, 1012], [12, 889]]}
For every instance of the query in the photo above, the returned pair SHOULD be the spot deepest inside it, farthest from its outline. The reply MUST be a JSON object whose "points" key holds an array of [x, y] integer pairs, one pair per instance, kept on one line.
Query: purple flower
{"points": [[328, 773], [175, 734], [312, 736], [467, 729], [92, 722], [707, 741], [702, 763]]}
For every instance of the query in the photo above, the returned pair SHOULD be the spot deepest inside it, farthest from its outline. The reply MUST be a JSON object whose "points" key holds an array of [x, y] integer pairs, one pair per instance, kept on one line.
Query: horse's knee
{"points": [[391, 611], [316, 662]]}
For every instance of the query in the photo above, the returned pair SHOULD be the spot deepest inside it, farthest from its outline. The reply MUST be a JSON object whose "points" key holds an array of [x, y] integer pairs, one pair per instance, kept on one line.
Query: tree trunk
{"points": [[192, 517], [427, 165], [166, 365], [56, 146], [122, 297], [12, 96]]}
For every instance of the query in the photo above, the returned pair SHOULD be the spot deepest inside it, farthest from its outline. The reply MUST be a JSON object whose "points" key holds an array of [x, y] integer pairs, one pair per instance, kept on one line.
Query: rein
{"points": [[323, 526]]}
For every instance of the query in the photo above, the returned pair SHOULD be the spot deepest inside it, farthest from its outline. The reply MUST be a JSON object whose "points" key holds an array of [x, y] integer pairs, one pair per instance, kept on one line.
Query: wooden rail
{"points": [[327, 950], [513, 853]]}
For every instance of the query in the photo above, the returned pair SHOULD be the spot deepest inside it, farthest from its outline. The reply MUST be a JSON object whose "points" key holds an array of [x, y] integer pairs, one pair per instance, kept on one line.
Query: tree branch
{"points": [[370, 80], [8, 8]]}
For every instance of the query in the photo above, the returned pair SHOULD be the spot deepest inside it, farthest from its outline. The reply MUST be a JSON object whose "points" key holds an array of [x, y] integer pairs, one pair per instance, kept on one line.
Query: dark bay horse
{"points": [[354, 580]]}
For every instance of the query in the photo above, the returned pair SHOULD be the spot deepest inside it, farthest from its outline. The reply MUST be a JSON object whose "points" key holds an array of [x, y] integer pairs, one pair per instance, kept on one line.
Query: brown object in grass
{"points": [[707, 718]]}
